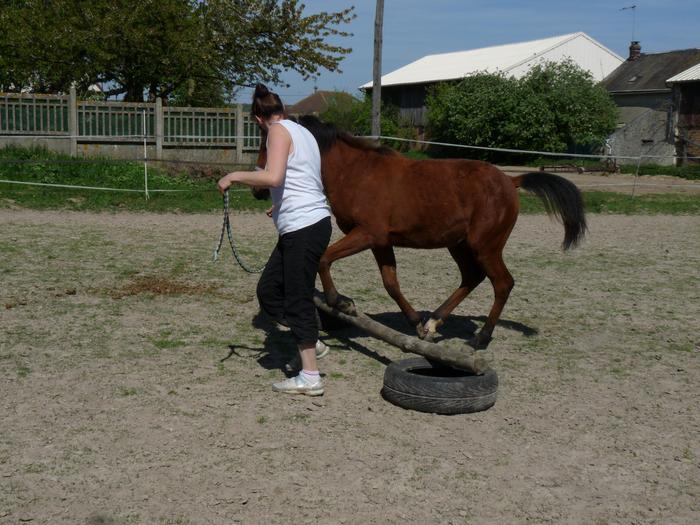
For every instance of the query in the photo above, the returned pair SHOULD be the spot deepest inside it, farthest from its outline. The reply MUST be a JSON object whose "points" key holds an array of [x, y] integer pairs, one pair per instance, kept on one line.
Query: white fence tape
{"points": [[102, 188], [529, 152]]}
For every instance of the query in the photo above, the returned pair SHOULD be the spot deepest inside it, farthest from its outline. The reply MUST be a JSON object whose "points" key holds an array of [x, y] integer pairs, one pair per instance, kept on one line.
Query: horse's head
{"points": [[261, 193]]}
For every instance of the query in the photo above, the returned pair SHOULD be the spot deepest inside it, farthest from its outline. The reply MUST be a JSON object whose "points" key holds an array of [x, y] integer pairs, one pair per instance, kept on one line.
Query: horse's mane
{"points": [[327, 134]]}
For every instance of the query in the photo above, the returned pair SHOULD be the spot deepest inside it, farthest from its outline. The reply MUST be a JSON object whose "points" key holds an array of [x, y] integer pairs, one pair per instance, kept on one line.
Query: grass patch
{"points": [[168, 344], [197, 189], [199, 194], [127, 391], [618, 203], [689, 172]]}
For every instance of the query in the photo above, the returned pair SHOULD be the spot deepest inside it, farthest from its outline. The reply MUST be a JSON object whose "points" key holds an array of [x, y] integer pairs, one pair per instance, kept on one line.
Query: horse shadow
{"points": [[279, 348]]}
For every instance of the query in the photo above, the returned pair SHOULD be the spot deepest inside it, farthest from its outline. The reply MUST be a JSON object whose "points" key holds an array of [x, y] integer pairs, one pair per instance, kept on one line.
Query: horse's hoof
{"points": [[346, 306], [424, 333], [427, 329]]}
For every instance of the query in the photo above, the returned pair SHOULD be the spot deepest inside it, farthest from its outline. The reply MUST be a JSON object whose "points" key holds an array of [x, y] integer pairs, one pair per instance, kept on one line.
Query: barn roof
{"points": [[513, 59], [650, 72], [692, 74]]}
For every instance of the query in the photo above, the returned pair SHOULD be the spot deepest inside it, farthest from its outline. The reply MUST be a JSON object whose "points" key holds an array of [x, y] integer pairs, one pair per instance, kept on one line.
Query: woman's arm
{"points": [[279, 144]]}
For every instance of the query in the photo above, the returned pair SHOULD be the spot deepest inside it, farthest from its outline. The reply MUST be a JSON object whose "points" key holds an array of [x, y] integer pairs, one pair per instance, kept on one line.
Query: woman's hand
{"points": [[225, 183]]}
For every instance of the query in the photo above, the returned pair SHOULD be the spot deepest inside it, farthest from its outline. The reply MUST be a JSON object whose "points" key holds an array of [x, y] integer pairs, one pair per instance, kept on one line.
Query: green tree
{"points": [[356, 117], [189, 50], [555, 107]]}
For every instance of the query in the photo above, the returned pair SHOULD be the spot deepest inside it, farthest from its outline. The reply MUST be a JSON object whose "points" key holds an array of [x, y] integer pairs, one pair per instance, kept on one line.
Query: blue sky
{"points": [[415, 28]]}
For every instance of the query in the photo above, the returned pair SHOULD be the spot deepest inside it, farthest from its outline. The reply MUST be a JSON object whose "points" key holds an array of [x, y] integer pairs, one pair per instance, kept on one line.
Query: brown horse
{"points": [[381, 199]]}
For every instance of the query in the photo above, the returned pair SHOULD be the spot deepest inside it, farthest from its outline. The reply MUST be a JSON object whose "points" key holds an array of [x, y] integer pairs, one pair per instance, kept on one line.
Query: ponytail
{"points": [[265, 102]]}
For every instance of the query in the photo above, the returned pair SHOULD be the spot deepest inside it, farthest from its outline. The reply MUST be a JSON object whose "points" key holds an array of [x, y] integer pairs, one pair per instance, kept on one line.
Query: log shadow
{"points": [[455, 327], [279, 348]]}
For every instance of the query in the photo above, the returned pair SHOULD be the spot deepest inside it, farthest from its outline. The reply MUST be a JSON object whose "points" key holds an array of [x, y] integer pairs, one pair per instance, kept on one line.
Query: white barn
{"points": [[406, 87]]}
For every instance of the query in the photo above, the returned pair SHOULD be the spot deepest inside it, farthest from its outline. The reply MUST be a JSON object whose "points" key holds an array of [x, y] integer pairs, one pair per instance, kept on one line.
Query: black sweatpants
{"points": [[286, 286]]}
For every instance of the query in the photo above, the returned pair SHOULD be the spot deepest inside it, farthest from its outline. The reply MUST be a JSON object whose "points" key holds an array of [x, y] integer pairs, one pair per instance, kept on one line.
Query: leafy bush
{"points": [[356, 118], [555, 107]]}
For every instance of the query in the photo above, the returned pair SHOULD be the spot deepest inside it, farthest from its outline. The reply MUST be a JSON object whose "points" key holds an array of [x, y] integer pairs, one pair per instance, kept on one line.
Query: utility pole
{"points": [[377, 69]]}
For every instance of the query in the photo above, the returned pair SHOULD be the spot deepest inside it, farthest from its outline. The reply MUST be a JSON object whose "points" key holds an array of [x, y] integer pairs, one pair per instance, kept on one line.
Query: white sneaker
{"points": [[294, 365], [299, 385], [322, 349]]}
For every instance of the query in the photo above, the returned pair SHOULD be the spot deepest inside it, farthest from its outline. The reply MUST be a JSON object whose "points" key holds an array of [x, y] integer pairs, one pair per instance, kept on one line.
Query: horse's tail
{"points": [[561, 198]]}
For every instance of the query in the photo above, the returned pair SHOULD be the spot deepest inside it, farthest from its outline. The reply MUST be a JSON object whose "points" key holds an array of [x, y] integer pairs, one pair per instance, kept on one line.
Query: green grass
{"points": [[690, 172], [619, 203], [197, 192]]}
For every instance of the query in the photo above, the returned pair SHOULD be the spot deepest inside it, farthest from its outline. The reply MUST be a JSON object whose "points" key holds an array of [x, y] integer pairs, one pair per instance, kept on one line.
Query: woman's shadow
{"points": [[279, 347]]}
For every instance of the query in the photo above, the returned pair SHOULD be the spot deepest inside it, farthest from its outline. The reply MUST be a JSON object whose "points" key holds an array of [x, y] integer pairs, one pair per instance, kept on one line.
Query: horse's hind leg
{"points": [[472, 274], [502, 282], [387, 266], [355, 241]]}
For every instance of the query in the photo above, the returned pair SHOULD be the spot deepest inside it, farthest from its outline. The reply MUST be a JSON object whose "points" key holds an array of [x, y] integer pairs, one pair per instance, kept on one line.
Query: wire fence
{"points": [[146, 161]]}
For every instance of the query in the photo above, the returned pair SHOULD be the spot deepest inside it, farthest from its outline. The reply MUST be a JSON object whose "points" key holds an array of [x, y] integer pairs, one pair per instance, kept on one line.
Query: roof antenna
{"points": [[632, 8]]}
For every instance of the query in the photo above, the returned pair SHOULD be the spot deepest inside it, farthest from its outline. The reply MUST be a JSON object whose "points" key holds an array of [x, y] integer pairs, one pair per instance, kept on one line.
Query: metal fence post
{"points": [[159, 128], [73, 121], [240, 134]]}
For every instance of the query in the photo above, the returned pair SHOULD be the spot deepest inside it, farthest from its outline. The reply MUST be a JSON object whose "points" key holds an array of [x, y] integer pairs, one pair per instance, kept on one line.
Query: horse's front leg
{"points": [[387, 266], [355, 241], [472, 275]]}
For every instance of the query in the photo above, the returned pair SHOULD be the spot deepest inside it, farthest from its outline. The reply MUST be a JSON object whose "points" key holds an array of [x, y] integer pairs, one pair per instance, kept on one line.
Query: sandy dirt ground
{"points": [[135, 383]]}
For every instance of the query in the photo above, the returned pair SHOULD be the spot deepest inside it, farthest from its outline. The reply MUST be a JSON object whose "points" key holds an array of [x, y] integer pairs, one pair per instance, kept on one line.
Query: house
{"points": [[650, 89], [320, 101], [686, 100], [407, 86]]}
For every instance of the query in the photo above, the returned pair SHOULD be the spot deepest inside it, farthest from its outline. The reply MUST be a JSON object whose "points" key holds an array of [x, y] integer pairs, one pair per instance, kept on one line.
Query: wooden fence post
{"points": [[73, 121], [160, 126], [240, 133]]}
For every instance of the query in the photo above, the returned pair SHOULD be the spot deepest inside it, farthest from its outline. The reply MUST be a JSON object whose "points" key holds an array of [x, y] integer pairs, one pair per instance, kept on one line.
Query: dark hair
{"points": [[265, 102]]}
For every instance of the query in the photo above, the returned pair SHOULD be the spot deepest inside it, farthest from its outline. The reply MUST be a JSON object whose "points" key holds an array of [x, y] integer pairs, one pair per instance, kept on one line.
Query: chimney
{"points": [[635, 50]]}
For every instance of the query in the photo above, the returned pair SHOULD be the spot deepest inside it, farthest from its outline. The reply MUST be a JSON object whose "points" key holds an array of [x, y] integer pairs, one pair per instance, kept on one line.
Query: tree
{"points": [[356, 117], [555, 107], [164, 48]]}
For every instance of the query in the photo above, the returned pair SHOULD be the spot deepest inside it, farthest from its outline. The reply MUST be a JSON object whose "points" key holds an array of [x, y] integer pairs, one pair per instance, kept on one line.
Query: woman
{"points": [[302, 218]]}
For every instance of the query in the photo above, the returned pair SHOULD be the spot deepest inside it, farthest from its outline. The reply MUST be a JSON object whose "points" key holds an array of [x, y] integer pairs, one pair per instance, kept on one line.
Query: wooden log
{"points": [[458, 357]]}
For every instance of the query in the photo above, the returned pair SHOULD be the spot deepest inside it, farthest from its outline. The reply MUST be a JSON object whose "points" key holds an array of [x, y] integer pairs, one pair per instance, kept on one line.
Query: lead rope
{"points": [[226, 226]]}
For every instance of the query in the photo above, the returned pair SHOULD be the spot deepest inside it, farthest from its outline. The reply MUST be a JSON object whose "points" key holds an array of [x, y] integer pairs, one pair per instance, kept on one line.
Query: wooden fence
{"points": [[84, 121]]}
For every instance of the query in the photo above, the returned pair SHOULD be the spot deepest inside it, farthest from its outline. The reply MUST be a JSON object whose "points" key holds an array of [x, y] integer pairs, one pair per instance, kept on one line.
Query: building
{"points": [[407, 86], [686, 99], [657, 94]]}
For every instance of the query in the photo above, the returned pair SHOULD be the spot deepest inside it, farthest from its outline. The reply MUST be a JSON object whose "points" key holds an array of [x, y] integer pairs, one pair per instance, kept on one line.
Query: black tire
{"points": [[425, 386]]}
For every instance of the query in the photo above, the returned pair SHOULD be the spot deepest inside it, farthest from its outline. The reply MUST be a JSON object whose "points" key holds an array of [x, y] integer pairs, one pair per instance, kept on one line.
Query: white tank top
{"points": [[299, 201]]}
